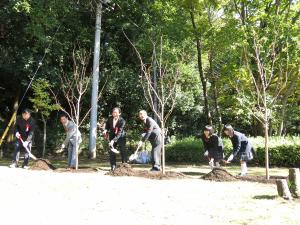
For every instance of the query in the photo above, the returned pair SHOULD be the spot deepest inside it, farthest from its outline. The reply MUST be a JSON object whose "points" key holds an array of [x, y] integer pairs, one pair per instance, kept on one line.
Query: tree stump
{"points": [[283, 189], [294, 182]]}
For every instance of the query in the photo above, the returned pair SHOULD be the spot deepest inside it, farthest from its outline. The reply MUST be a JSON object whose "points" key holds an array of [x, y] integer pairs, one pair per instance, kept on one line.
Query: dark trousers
{"points": [[155, 140], [18, 147], [121, 146]]}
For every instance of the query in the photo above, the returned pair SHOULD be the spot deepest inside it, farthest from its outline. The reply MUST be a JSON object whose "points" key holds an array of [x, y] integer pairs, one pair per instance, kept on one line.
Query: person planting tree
{"points": [[153, 134], [115, 128], [213, 146], [241, 148], [72, 140], [24, 132]]}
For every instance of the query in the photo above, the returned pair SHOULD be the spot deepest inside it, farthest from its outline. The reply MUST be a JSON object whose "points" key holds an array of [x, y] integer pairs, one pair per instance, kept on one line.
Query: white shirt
{"points": [[115, 120]]}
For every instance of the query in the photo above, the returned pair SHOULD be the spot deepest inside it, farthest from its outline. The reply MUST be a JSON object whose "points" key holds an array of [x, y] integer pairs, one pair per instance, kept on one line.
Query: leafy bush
{"points": [[283, 151], [188, 149]]}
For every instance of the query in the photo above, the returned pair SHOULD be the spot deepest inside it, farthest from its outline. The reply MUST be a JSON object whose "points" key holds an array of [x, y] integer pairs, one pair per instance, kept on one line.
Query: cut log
{"points": [[294, 182], [283, 189]]}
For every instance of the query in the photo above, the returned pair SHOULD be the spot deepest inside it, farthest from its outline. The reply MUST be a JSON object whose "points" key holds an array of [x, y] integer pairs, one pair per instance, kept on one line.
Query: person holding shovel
{"points": [[213, 146], [24, 132], [153, 134], [115, 132], [241, 148], [72, 140]]}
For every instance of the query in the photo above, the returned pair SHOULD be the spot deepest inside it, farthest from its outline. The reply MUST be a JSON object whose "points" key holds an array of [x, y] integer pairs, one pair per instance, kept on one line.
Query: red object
{"points": [[27, 127]]}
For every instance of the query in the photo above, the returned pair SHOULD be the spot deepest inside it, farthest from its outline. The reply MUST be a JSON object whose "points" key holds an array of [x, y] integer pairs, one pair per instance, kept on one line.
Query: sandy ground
{"points": [[46, 197]]}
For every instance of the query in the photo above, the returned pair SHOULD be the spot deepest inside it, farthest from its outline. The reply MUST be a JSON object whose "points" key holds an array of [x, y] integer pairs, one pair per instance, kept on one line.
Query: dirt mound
{"points": [[219, 174], [126, 170], [42, 164], [122, 170]]}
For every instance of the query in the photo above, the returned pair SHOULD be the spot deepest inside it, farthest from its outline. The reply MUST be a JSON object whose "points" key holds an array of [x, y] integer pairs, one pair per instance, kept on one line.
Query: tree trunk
{"points": [[283, 189], [44, 135], [215, 92], [294, 181], [266, 126], [154, 80], [200, 69]]}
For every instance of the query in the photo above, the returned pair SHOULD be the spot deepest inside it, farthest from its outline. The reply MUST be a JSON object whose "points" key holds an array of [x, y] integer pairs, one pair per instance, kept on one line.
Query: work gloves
{"points": [[18, 135], [206, 153]]}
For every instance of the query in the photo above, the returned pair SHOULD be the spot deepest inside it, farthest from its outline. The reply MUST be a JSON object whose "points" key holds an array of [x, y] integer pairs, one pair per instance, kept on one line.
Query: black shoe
{"points": [[155, 169]]}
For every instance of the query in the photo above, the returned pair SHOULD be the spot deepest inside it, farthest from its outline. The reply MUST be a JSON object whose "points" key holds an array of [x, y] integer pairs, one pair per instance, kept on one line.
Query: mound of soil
{"points": [[219, 174], [126, 170], [42, 164]]}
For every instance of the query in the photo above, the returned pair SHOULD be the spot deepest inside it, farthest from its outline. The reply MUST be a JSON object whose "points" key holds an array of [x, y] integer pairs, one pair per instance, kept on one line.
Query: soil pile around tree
{"points": [[42, 164], [126, 170], [219, 174]]}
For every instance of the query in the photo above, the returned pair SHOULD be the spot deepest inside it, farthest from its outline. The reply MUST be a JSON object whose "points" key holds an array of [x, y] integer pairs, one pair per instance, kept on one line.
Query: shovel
{"points": [[134, 155], [27, 150]]}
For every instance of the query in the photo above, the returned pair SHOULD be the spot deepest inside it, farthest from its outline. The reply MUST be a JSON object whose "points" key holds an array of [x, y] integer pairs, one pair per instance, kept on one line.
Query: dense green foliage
{"points": [[215, 45], [284, 151]]}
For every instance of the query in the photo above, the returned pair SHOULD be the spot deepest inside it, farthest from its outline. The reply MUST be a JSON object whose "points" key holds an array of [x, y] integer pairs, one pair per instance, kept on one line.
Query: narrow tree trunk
{"points": [[283, 189], [215, 92], [266, 126], [200, 69], [44, 135], [154, 80], [294, 180]]}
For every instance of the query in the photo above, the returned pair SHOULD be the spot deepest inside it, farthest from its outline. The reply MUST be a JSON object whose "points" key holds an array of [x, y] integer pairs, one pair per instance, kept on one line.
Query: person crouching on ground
{"points": [[72, 140], [24, 132], [115, 128], [241, 148], [153, 134], [213, 146]]}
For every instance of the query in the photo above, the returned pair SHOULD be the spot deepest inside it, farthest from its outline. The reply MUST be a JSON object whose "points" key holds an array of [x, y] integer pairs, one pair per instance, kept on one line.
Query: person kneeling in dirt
{"points": [[115, 128], [72, 141], [213, 147], [241, 147], [153, 134], [24, 132]]}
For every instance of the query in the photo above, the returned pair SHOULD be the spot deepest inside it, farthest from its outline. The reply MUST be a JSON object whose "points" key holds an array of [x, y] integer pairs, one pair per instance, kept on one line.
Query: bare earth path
{"points": [[46, 197]]}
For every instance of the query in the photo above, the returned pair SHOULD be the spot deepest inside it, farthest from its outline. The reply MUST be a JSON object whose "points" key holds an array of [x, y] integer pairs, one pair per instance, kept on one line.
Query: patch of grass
{"points": [[268, 197]]}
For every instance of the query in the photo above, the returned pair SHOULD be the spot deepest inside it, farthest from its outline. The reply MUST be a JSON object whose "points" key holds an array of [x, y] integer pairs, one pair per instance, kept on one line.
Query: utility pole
{"points": [[95, 84]]}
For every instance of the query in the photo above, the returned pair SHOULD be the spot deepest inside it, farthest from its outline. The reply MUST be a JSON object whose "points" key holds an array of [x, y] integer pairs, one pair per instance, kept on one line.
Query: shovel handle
{"points": [[27, 150]]}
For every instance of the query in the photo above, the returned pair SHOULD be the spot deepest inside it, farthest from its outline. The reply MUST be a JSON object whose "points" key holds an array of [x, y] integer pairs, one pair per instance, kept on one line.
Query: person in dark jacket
{"points": [[213, 146], [115, 131], [24, 132], [241, 148], [153, 134]]}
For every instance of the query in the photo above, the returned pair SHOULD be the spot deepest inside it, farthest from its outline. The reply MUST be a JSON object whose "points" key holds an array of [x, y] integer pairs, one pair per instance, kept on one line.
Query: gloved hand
{"points": [[206, 153], [18, 135], [140, 144], [25, 144], [230, 158], [63, 146]]}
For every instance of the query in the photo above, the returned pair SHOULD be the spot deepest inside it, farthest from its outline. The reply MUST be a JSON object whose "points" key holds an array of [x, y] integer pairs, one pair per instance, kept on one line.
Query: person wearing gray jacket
{"points": [[72, 141], [153, 134]]}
